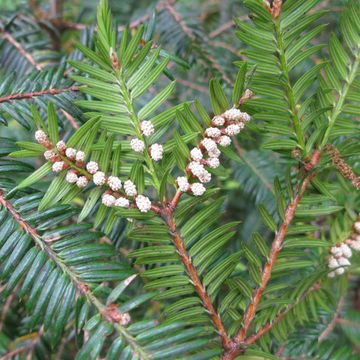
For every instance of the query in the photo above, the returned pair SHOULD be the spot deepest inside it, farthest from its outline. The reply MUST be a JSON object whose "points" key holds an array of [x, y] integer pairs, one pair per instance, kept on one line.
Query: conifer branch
{"points": [[274, 252], [268, 326], [109, 313], [167, 215], [21, 50], [30, 95]]}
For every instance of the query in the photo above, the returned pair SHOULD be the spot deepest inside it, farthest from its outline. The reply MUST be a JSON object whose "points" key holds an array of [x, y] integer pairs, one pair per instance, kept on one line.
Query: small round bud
{"points": [[233, 129], [218, 121], [196, 168], [92, 167], [213, 162], [333, 263], [331, 274], [182, 183], [346, 250], [82, 182], [61, 146], [50, 155], [343, 261], [58, 166], [212, 132], [114, 183], [147, 128], [197, 189], [71, 177], [205, 177], [233, 114], [340, 271], [41, 137], [336, 251], [355, 245], [143, 203], [208, 144], [137, 145], [215, 153], [156, 152], [99, 178], [122, 202], [130, 188], [80, 156], [108, 200], [70, 153], [196, 154], [224, 141]]}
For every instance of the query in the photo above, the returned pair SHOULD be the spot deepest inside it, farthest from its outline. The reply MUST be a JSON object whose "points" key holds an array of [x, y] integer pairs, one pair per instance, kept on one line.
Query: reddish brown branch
{"points": [[176, 16], [27, 347], [167, 215], [274, 252], [334, 320], [21, 50], [268, 326], [30, 95]]}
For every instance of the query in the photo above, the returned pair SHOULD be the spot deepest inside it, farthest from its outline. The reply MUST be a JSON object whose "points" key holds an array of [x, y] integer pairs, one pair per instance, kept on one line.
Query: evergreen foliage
{"points": [[241, 266]]}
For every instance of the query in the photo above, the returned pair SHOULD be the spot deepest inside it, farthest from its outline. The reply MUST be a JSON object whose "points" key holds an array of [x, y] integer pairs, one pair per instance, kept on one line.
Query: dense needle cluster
{"points": [[341, 253], [80, 174], [230, 123]]}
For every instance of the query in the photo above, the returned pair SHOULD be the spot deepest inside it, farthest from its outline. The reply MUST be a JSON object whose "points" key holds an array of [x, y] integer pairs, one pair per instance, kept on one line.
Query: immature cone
{"points": [[58, 166], [70, 153], [50, 155], [224, 141], [218, 121], [213, 132], [156, 152], [92, 167], [71, 177], [122, 202], [82, 182], [147, 128], [99, 178], [61, 146], [197, 189], [143, 203], [182, 183], [114, 183], [196, 154], [108, 200], [137, 145], [130, 188], [80, 156], [41, 137]]}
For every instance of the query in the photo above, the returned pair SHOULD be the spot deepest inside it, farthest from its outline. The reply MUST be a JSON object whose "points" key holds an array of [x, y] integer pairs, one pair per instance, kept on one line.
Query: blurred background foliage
{"points": [[201, 35]]}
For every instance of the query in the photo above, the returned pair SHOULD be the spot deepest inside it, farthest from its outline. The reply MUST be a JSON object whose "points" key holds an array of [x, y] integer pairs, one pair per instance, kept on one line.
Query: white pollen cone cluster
{"points": [[341, 253], [156, 151], [117, 193], [230, 123]]}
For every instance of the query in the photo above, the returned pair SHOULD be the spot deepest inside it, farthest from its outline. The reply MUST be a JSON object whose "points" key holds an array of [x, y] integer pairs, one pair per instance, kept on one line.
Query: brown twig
{"points": [[332, 323], [29, 346], [268, 326], [224, 27], [7, 304], [21, 50], [167, 215], [274, 252], [30, 95], [178, 19]]}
